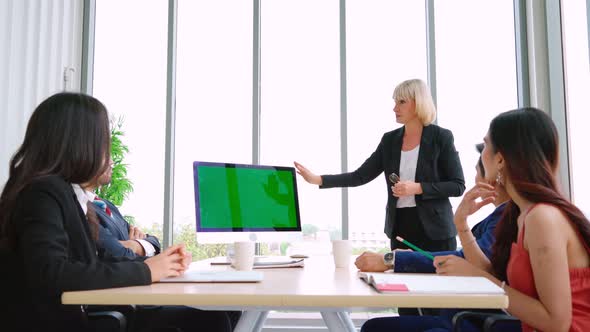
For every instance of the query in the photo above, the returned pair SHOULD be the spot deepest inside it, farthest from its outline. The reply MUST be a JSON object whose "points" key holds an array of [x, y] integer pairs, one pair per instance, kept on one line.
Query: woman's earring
{"points": [[499, 177]]}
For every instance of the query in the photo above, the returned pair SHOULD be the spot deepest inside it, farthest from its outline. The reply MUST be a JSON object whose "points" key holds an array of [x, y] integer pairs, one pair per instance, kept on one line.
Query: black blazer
{"points": [[55, 253], [115, 228], [438, 171]]}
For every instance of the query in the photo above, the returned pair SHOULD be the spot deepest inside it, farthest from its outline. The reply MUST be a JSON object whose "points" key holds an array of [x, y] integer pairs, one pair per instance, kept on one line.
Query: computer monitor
{"points": [[238, 202]]}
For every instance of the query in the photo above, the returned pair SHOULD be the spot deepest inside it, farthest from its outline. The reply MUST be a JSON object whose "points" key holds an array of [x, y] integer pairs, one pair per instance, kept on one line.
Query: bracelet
{"points": [[464, 230]]}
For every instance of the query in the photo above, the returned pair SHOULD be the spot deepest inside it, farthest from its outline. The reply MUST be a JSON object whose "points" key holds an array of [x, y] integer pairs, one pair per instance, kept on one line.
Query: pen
{"points": [[400, 239]]}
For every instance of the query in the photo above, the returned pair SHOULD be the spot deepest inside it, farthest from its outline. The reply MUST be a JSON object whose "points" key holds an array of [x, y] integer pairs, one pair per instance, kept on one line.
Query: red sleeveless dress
{"points": [[520, 277]]}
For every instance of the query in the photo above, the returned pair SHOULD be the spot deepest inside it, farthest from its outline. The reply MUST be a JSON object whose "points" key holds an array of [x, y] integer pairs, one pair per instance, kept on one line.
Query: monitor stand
{"points": [[227, 261], [257, 246], [230, 251], [257, 237]]}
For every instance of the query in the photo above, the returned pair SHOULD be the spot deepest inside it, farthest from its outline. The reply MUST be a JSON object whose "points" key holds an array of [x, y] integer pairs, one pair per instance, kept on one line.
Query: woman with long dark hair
{"points": [[48, 226], [476, 247], [541, 256]]}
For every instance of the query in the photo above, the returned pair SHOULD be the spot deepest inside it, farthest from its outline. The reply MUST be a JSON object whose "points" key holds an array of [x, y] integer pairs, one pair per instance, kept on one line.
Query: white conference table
{"points": [[319, 286]]}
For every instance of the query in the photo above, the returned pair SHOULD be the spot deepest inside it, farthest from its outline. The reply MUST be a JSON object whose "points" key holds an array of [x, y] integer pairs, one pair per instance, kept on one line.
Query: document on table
{"points": [[278, 262], [217, 276], [429, 283], [268, 262]]}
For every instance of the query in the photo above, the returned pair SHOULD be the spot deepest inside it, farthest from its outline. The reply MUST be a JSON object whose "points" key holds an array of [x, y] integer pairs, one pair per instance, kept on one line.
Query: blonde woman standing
{"points": [[421, 168]]}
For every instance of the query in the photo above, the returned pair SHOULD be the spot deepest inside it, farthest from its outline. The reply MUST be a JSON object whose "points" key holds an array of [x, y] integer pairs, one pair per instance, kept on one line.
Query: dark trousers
{"points": [[169, 318], [440, 323], [408, 226], [183, 318]]}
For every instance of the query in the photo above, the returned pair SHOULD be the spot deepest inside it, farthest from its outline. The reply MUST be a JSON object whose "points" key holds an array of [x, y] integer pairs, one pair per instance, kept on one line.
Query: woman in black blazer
{"points": [[48, 231], [426, 167]]}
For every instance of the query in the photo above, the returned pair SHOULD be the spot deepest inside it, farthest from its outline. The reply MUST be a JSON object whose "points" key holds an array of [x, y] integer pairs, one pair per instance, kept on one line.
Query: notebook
{"points": [[272, 262], [417, 283], [217, 276], [267, 262]]}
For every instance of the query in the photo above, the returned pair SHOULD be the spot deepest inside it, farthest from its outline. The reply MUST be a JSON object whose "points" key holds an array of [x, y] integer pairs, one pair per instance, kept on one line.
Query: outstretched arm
{"points": [[366, 173]]}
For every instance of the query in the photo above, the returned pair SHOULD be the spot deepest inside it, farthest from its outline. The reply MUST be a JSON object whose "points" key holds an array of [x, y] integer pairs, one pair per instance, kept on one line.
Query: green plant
{"points": [[284, 247], [120, 186], [310, 230]]}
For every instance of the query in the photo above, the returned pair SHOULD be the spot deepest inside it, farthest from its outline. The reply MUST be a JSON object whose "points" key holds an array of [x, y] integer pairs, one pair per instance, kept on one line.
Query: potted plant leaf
{"points": [[120, 186]]}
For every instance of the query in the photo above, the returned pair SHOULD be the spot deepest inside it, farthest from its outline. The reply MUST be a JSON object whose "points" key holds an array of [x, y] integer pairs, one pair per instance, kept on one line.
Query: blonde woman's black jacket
{"points": [[438, 171], [56, 253]]}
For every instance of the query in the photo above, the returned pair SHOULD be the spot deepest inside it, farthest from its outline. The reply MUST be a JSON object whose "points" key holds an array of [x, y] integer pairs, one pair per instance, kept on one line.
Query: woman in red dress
{"points": [[541, 256]]}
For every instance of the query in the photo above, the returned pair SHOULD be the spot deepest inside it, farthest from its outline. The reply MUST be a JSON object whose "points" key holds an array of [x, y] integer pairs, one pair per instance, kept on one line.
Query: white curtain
{"points": [[38, 39]]}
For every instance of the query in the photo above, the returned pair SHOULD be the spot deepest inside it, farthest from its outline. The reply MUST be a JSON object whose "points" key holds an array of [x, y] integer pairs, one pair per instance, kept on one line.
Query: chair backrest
{"points": [[107, 321], [488, 321], [13, 300]]}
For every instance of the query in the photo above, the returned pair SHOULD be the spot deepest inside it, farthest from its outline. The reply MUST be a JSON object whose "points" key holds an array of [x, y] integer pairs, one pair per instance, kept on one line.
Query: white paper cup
{"points": [[243, 259], [342, 251]]}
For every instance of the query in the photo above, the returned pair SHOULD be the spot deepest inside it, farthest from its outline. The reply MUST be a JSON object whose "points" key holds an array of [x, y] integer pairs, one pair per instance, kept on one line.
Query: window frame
{"points": [[522, 12]]}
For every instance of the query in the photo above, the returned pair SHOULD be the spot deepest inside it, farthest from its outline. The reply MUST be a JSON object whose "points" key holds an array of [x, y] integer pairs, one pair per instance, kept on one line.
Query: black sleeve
{"points": [[452, 181], [368, 171], [48, 250], [114, 259]]}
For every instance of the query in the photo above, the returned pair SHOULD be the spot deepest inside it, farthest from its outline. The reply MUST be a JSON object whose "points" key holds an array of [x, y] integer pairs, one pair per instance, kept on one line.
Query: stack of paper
{"points": [[277, 262], [267, 262], [429, 283]]}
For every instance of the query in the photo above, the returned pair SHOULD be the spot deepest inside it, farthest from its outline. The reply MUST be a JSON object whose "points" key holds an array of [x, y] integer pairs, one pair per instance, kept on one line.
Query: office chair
{"points": [[107, 321], [489, 320]]}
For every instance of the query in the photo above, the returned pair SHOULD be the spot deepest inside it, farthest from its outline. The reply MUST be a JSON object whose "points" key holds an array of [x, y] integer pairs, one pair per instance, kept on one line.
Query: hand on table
{"points": [[172, 262], [371, 262]]}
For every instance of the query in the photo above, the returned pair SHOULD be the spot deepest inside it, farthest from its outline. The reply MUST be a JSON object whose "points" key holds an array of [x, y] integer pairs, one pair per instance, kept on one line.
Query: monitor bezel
{"points": [[196, 165]]}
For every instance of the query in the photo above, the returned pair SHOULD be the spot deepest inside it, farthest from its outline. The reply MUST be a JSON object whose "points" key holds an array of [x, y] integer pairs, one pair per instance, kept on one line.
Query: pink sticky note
{"points": [[392, 287]]}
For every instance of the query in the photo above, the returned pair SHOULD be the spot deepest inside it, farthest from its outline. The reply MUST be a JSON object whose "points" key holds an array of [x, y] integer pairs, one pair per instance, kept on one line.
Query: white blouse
{"points": [[407, 172]]}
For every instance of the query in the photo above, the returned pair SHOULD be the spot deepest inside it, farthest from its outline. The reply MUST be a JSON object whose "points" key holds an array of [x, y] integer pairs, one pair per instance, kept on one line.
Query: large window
{"points": [[575, 26], [213, 97], [130, 79], [476, 73], [300, 105], [300, 93], [394, 52]]}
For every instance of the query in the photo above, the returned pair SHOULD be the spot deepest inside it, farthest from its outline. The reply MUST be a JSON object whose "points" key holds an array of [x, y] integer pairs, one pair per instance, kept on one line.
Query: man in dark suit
{"points": [[116, 236]]}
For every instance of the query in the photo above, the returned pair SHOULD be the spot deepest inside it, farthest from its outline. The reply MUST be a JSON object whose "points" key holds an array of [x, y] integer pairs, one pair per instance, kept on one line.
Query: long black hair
{"points": [[528, 141], [479, 149], [68, 135]]}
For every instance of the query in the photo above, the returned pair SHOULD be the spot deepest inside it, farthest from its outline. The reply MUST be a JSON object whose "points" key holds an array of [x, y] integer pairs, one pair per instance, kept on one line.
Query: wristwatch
{"points": [[389, 259]]}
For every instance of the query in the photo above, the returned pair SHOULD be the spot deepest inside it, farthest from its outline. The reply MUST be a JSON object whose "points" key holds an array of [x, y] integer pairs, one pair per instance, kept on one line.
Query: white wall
{"points": [[38, 38]]}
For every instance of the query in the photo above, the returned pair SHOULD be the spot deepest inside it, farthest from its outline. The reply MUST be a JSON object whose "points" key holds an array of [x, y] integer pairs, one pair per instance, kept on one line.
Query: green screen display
{"points": [[230, 197]]}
